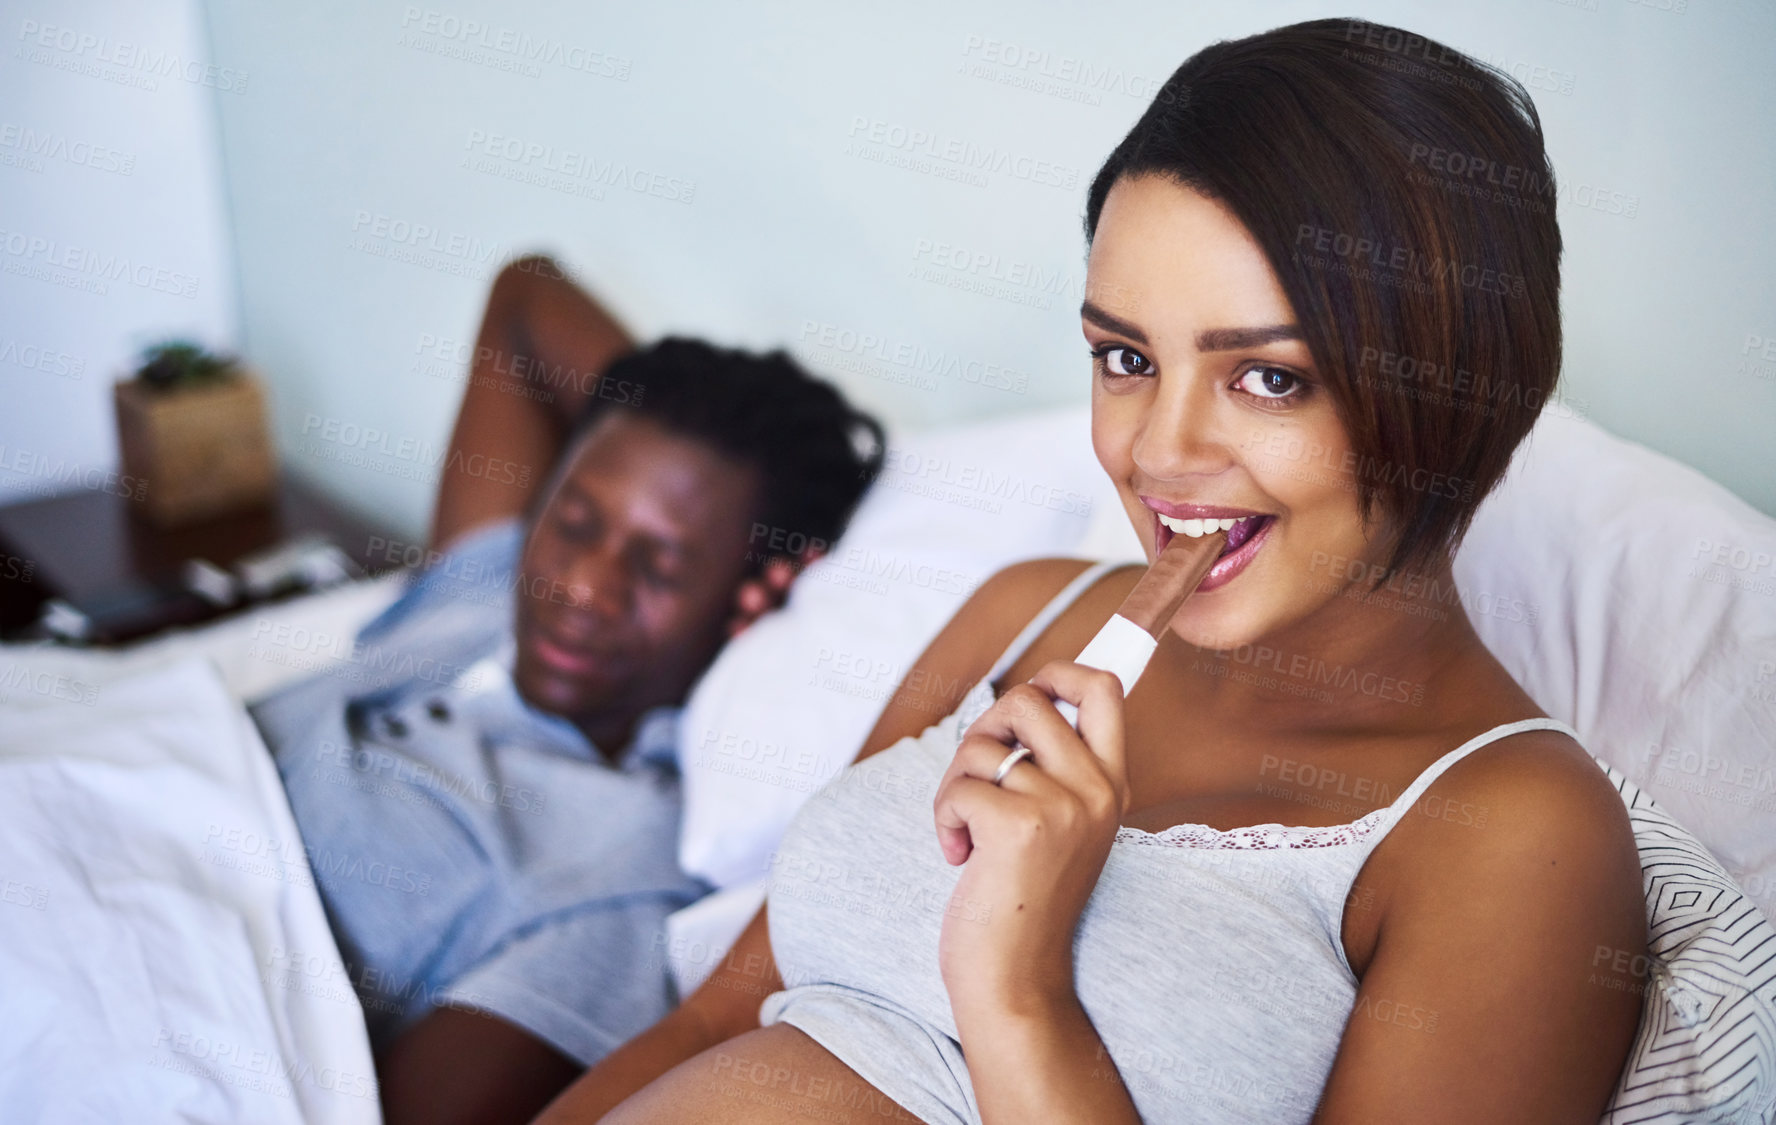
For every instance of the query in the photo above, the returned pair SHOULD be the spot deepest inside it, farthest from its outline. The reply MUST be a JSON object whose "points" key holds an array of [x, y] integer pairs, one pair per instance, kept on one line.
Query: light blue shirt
{"points": [[472, 850]]}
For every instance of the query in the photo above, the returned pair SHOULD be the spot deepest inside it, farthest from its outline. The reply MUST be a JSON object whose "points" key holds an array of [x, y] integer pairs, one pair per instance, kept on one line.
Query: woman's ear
{"points": [[766, 591]]}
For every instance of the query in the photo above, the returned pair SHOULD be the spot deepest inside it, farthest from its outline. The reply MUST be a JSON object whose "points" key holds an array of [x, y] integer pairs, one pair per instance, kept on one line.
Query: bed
{"points": [[164, 950], [167, 956]]}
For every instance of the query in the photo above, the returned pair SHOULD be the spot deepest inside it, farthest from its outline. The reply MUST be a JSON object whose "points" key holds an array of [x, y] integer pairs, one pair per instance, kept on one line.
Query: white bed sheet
{"points": [[164, 954]]}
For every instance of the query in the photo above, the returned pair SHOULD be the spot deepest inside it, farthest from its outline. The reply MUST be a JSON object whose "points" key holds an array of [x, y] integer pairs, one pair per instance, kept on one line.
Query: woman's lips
{"points": [[1232, 562]]}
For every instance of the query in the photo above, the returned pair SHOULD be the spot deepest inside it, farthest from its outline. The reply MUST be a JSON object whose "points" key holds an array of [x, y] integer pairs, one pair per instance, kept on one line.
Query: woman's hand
{"points": [[1035, 844]]}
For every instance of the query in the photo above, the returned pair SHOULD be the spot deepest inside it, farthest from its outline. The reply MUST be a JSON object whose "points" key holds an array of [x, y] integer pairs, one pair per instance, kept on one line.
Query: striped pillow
{"points": [[1706, 1048]]}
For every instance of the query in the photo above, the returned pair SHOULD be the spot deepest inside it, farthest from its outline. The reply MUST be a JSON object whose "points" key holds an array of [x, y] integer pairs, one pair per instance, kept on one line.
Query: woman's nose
{"points": [[1180, 435]]}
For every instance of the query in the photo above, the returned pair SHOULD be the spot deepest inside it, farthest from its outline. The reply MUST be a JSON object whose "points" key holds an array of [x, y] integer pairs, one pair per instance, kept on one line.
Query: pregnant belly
{"points": [[768, 1076]]}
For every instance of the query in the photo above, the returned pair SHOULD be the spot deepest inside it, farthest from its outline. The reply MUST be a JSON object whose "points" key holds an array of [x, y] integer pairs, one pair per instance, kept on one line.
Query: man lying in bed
{"points": [[489, 797]]}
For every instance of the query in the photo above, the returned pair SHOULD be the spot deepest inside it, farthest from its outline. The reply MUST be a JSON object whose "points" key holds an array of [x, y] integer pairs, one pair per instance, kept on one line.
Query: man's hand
{"points": [[758, 596]]}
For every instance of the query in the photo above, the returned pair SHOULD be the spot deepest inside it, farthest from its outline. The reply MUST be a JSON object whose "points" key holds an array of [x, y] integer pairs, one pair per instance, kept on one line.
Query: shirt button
{"points": [[437, 710]]}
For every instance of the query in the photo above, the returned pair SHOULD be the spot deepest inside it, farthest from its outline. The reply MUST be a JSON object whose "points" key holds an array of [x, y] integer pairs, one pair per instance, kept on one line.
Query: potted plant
{"points": [[191, 426]]}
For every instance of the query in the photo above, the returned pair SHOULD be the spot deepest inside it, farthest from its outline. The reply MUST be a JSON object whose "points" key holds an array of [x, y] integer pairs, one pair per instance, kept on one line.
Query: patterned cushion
{"points": [[1706, 1048]]}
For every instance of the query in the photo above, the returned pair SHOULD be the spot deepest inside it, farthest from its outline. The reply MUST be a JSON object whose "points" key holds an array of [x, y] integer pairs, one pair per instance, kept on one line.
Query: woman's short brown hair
{"points": [[1402, 195]]}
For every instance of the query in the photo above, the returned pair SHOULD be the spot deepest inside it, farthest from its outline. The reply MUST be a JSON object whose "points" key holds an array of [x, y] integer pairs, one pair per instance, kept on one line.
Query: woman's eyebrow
{"points": [[1208, 340], [1233, 339], [1110, 323]]}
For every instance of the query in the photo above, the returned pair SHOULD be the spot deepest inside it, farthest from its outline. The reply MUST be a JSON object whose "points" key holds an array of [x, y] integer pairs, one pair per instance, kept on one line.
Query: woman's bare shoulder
{"points": [[1027, 587], [966, 648], [1529, 801], [1529, 826], [1516, 921], [1001, 606], [1018, 591], [1542, 776]]}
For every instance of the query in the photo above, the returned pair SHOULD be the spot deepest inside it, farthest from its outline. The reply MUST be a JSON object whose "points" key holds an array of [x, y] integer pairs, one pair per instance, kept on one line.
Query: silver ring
{"points": [[1017, 755]]}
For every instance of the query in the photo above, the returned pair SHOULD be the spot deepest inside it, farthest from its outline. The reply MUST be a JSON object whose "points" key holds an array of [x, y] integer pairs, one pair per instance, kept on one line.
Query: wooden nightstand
{"points": [[91, 545]]}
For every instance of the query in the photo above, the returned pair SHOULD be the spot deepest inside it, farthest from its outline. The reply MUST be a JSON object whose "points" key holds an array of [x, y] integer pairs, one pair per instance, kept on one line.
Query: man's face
{"points": [[629, 572]]}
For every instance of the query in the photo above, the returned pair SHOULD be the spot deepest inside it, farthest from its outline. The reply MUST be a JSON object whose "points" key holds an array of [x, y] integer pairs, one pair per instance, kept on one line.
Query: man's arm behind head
{"points": [[542, 345]]}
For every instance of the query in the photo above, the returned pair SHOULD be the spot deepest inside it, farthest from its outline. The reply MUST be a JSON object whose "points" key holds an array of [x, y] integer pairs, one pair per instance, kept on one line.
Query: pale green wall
{"points": [[755, 105]]}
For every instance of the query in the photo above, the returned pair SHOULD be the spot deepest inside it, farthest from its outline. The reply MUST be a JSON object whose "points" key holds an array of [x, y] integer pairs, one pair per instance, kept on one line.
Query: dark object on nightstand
{"points": [[92, 550]]}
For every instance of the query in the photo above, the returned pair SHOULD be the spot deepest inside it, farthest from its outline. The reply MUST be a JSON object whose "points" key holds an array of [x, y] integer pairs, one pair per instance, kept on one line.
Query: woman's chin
{"points": [[1226, 617], [1203, 626]]}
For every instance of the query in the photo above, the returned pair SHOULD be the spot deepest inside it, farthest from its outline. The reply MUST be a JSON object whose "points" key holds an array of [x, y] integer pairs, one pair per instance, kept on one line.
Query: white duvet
{"points": [[163, 952]]}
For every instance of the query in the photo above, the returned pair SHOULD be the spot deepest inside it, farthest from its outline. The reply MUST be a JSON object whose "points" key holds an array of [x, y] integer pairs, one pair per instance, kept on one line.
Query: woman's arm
{"points": [[727, 1004], [543, 344], [1506, 983], [1034, 846], [1042, 1060], [714, 1013]]}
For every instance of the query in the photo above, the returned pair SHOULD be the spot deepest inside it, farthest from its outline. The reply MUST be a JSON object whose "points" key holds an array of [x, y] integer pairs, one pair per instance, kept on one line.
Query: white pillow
{"points": [[1635, 599], [788, 704]]}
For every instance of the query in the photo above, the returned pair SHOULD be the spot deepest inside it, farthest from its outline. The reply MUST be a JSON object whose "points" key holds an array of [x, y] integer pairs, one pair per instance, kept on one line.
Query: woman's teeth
{"points": [[1196, 529]]}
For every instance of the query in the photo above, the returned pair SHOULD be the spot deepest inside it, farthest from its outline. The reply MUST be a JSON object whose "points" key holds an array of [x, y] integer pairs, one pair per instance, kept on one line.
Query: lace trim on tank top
{"points": [[1274, 836], [1255, 837], [1259, 836]]}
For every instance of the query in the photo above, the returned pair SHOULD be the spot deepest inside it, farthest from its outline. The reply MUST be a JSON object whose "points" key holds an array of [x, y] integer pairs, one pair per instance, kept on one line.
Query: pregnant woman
{"points": [[1327, 861]]}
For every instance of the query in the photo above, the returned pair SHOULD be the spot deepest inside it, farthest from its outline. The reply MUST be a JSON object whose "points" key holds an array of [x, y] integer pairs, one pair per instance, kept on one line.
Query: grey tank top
{"points": [[1210, 962]]}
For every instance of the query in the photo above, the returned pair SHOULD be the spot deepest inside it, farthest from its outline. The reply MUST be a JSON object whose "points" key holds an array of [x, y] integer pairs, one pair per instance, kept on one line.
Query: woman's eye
{"points": [[1271, 383], [1122, 361]]}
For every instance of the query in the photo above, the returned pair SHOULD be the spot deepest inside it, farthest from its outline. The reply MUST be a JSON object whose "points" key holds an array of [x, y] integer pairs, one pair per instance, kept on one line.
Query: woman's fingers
{"points": [[977, 758], [979, 755], [1082, 761], [985, 744], [1067, 767], [1098, 695], [965, 805], [760, 594]]}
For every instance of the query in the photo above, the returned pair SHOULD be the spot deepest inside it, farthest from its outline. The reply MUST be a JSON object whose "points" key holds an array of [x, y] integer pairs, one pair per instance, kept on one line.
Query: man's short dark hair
{"points": [[815, 452]]}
